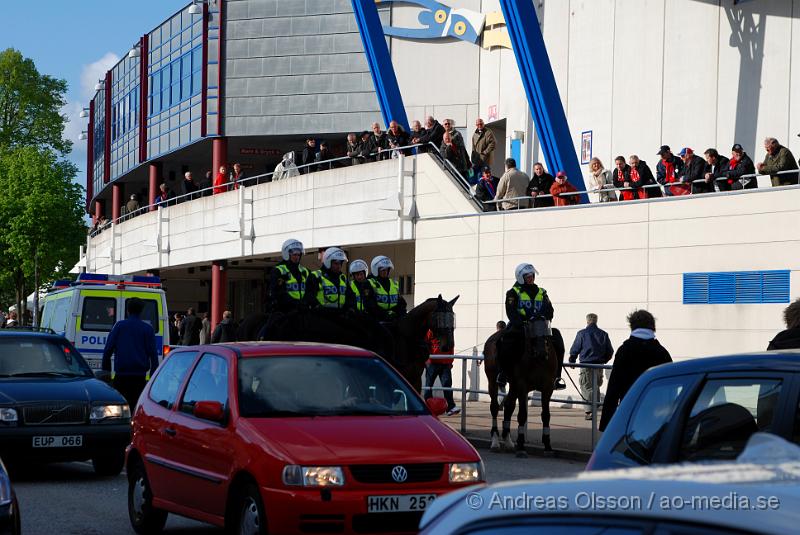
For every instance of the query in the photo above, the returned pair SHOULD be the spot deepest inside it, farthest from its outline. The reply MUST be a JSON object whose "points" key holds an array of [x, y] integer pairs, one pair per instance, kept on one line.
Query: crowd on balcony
{"points": [[685, 173]]}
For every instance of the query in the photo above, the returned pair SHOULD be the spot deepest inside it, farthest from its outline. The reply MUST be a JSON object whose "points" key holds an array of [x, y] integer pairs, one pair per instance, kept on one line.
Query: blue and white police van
{"points": [[84, 311]]}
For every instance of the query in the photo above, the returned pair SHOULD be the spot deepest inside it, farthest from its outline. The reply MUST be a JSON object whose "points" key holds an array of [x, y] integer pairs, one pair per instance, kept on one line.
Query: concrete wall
{"points": [[295, 67], [613, 259], [366, 205]]}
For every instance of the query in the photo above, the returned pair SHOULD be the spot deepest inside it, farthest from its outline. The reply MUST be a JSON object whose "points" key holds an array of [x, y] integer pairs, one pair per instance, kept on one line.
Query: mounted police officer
{"points": [[359, 294], [287, 283], [327, 286], [390, 305], [530, 312]]}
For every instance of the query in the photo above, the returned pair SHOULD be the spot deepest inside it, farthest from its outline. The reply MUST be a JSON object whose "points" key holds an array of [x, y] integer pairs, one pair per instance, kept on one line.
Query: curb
{"points": [[538, 451]]}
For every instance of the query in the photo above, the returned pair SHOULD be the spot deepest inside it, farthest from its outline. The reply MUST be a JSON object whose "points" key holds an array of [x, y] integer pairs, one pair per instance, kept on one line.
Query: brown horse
{"points": [[529, 372], [402, 343]]}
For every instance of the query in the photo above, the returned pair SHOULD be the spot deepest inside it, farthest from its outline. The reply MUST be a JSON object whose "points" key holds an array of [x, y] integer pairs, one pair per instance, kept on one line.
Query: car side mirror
{"points": [[437, 406], [209, 410]]}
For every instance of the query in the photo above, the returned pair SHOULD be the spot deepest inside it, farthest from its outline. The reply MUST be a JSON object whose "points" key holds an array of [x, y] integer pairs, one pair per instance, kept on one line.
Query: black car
{"points": [[9, 510], [703, 409], [53, 409]]}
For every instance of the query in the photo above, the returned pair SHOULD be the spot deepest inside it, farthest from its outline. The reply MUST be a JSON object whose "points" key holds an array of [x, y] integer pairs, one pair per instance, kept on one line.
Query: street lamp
{"points": [[84, 135], [100, 85], [196, 9], [84, 113], [134, 51]]}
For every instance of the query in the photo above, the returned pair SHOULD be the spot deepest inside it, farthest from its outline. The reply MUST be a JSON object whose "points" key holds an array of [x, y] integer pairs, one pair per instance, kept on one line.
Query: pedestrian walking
{"points": [[441, 368], [205, 330], [225, 331], [132, 342], [635, 356], [591, 346], [190, 328]]}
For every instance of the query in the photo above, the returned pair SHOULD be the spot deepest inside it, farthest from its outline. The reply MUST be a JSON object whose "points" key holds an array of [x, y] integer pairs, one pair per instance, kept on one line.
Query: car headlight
{"points": [[466, 472], [8, 415], [109, 412], [313, 476], [5, 486]]}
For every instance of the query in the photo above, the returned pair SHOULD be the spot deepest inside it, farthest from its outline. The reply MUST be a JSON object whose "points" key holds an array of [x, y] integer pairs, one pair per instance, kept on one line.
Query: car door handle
{"points": [[170, 432]]}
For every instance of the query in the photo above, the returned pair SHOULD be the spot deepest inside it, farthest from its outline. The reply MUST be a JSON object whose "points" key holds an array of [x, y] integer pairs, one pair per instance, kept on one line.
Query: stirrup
{"points": [[559, 384]]}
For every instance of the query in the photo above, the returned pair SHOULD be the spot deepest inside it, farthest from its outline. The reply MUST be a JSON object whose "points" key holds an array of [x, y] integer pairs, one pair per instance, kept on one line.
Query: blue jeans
{"points": [[443, 372]]}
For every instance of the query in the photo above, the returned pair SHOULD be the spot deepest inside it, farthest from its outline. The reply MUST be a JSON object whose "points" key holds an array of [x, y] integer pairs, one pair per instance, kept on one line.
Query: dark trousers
{"points": [[443, 372], [130, 386]]}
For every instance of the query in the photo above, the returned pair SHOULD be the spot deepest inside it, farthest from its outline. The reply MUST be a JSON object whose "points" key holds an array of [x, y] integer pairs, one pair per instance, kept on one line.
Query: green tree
{"points": [[42, 218], [30, 105]]}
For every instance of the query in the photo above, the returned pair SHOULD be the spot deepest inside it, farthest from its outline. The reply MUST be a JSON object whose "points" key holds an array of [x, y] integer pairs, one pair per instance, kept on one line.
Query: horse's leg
{"points": [[509, 404], [494, 408], [522, 423], [546, 420]]}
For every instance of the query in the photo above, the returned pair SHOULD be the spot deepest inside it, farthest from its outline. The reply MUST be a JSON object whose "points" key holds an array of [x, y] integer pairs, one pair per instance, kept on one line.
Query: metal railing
{"points": [[743, 180], [249, 181], [471, 394]]}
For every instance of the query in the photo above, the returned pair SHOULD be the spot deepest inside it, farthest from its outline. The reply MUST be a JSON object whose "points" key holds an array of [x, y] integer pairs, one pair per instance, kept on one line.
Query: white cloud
{"points": [[95, 71]]}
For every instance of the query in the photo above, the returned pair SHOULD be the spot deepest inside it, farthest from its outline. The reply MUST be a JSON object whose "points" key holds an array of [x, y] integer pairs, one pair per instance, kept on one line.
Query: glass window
{"points": [[149, 313], [55, 314], [98, 314], [31, 357], [651, 416], [726, 413], [169, 378], [197, 70], [209, 382], [176, 82], [331, 386]]}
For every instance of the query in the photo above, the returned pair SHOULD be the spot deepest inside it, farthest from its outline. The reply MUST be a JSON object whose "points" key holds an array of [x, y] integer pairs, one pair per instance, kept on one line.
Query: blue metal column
{"points": [[540, 86], [380, 62]]}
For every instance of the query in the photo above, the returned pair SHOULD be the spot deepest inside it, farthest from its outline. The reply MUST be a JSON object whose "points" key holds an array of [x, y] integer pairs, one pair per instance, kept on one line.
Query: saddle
{"points": [[536, 332]]}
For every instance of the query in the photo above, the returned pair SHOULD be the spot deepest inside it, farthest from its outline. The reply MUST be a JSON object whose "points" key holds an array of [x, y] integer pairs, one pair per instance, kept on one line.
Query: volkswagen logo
{"points": [[399, 474]]}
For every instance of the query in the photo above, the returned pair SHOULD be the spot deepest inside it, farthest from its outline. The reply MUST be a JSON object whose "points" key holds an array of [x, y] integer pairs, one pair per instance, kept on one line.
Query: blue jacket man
{"points": [[593, 346], [133, 344]]}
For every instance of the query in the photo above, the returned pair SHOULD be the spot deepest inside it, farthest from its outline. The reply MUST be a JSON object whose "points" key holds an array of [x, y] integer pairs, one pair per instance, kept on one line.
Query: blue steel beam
{"points": [[380, 62], [540, 86]]}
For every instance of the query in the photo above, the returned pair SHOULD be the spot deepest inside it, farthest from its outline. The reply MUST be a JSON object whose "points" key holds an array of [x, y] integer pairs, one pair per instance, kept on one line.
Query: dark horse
{"points": [[528, 373], [403, 344]]}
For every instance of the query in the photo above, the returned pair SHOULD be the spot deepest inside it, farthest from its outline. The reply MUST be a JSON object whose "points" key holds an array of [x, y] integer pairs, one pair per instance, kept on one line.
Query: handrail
{"points": [[659, 185], [244, 183]]}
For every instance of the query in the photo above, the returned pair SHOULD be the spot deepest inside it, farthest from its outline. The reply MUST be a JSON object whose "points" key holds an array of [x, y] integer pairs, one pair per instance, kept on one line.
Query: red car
{"points": [[289, 438]]}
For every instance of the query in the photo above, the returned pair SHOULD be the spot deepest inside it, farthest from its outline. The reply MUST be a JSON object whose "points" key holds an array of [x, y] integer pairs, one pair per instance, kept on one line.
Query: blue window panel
{"points": [[742, 287], [695, 288]]}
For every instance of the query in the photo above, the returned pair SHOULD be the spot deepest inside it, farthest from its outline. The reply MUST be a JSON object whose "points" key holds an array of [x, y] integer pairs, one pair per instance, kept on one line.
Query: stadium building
{"points": [[227, 81]]}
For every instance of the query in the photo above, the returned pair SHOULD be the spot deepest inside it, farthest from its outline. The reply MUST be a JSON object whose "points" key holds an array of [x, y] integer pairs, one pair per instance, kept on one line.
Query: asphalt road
{"points": [[69, 499]]}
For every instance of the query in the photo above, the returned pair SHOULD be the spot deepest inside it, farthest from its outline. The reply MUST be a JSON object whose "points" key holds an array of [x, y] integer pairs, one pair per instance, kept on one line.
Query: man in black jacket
{"points": [[187, 186], [486, 189], [309, 156], [694, 168], [717, 167], [190, 329], [635, 356], [434, 132], [353, 150], [377, 144], [225, 331], [540, 184], [790, 338], [668, 169], [740, 167]]}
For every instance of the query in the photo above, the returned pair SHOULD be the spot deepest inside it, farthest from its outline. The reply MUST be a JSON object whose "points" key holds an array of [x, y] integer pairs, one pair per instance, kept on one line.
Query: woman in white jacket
{"points": [[599, 179]]}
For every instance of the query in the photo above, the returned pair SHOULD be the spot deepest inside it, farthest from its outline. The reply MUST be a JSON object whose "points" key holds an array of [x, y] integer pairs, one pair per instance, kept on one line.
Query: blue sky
{"points": [[79, 41]]}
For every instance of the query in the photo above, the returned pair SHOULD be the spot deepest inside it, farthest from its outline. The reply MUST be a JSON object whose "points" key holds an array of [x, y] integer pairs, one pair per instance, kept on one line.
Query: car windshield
{"points": [[323, 386], [40, 357]]}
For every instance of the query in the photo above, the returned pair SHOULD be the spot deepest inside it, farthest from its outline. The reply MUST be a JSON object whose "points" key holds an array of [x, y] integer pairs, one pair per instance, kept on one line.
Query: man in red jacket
{"points": [[440, 368], [560, 187]]}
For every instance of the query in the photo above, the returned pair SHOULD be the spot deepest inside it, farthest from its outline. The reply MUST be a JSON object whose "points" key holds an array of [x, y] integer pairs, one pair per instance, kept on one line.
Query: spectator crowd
{"points": [[685, 173]]}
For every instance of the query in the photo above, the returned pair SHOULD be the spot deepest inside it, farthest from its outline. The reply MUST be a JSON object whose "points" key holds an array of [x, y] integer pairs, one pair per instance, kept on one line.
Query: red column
{"points": [[116, 201], [154, 172], [219, 291], [98, 211], [219, 155]]}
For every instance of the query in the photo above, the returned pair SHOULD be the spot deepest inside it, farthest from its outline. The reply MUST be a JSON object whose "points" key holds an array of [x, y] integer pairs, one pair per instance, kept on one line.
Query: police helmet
{"points": [[522, 270], [291, 245], [331, 254], [380, 262], [358, 265]]}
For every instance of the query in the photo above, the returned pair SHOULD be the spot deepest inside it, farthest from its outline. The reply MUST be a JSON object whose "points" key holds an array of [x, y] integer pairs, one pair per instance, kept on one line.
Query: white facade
{"points": [[637, 73]]}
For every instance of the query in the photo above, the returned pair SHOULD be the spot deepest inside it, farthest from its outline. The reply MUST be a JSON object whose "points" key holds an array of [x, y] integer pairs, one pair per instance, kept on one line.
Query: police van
{"points": [[84, 311]]}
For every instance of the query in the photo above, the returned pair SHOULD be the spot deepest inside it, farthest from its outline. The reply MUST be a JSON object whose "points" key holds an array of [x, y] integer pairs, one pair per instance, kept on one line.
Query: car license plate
{"points": [[61, 441], [399, 503], [94, 364]]}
